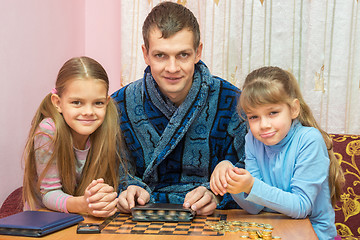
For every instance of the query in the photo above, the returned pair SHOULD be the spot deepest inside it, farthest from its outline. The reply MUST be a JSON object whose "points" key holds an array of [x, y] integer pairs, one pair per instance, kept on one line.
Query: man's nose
{"points": [[172, 65]]}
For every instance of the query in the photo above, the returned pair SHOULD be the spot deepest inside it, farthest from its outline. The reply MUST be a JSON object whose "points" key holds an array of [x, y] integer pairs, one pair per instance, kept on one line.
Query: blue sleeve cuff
{"points": [[244, 201]]}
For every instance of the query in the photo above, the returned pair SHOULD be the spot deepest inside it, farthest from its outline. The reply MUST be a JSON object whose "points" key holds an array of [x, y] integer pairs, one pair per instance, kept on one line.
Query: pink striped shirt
{"points": [[51, 191]]}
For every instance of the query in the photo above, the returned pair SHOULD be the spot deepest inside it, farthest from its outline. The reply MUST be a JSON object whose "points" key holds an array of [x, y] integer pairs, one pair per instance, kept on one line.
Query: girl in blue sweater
{"points": [[290, 166]]}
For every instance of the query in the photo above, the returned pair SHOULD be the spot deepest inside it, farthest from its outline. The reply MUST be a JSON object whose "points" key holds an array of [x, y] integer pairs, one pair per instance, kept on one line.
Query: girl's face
{"points": [[83, 106], [270, 123]]}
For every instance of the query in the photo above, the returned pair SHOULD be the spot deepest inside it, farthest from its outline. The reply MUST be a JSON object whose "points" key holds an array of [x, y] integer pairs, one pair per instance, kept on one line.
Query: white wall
{"points": [[36, 38]]}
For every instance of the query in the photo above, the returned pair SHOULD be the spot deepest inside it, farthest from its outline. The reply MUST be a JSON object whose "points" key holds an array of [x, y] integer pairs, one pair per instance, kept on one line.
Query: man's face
{"points": [[172, 62]]}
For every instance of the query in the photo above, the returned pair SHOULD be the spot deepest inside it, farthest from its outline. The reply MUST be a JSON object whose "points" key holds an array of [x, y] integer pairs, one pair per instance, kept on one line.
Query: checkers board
{"points": [[123, 224]]}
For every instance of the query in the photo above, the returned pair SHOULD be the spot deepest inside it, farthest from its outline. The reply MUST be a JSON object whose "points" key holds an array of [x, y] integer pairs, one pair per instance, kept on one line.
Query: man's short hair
{"points": [[170, 18]]}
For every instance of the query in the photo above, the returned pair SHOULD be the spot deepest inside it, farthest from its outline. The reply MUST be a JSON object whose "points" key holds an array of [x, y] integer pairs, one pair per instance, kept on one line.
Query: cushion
{"points": [[347, 210]]}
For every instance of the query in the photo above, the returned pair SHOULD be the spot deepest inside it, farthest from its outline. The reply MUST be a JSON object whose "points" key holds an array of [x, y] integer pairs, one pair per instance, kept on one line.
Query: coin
{"points": [[268, 226], [172, 212], [161, 212], [138, 213], [149, 212]]}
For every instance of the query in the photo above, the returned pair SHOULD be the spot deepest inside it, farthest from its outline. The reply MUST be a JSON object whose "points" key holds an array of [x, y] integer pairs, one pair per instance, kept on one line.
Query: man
{"points": [[178, 121]]}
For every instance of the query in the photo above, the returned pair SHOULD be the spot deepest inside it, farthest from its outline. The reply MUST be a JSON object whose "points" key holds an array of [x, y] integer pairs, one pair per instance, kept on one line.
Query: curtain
{"points": [[315, 40]]}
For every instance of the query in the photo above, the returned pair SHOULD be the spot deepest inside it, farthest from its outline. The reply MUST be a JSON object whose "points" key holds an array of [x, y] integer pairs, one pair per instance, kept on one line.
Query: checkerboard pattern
{"points": [[122, 224]]}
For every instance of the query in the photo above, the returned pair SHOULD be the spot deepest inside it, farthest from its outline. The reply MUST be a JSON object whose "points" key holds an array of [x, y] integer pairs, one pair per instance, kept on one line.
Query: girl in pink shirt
{"points": [[72, 154]]}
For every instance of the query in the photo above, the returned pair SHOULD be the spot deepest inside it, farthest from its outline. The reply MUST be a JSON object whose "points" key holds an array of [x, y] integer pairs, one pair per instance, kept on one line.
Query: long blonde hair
{"points": [[103, 159], [272, 85]]}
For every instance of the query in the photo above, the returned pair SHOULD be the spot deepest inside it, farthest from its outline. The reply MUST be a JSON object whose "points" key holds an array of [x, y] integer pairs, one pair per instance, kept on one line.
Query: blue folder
{"points": [[37, 223]]}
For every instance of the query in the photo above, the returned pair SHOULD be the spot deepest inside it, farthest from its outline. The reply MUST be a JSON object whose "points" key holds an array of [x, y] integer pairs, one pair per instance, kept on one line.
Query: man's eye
{"points": [[184, 55], [75, 103], [159, 55]]}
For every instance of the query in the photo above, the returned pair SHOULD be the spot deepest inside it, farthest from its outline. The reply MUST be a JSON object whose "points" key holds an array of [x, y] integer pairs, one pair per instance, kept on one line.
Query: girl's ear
{"points": [[295, 108], [107, 100], [55, 99]]}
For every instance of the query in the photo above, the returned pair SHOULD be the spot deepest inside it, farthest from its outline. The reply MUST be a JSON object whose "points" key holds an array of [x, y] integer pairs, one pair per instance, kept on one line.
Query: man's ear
{"points": [[55, 99], [198, 52], [145, 54], [295, 108]]}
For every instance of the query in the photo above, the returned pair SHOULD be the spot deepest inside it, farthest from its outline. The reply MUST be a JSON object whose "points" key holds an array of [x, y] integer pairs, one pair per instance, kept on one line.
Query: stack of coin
{"points": [[266, 234], [248, 230], [253, 234]]}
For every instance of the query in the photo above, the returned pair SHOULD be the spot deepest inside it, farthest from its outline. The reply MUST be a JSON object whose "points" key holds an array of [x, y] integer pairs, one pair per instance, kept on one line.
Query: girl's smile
{"points": [[267, 135], [86, 122]]}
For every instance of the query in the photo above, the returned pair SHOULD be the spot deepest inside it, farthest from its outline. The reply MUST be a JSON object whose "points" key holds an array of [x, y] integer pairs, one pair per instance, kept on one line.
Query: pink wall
{"points": [[38, 37], [102, 37]]}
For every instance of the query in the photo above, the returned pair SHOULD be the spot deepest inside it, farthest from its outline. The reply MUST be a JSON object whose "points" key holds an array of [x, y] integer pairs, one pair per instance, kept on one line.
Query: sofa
{"points": [[347, 210]]}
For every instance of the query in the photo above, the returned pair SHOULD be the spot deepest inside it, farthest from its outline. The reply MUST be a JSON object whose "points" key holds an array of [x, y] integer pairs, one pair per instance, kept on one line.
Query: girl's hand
{"points": [[218, 181], [239, 180], [101, 199]]}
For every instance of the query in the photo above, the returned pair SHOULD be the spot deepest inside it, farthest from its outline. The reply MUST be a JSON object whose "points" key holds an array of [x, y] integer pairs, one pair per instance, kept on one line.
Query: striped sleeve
{"points": [[50, 188]]}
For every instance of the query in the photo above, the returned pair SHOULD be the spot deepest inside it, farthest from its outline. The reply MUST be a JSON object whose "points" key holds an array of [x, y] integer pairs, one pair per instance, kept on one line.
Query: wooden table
{"points": [[284, 227]]}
